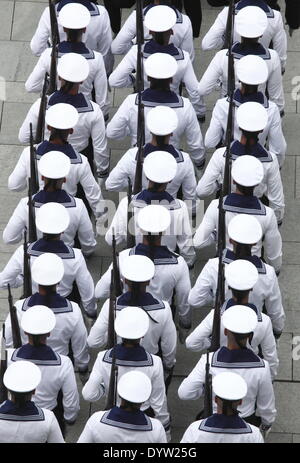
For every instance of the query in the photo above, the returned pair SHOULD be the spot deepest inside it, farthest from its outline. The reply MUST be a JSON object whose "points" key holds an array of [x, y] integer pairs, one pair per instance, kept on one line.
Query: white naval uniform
{"points": [[97, 36], [118, 426], [124, 122], [182, 36], [57, 374], [79, 220], [80, 172], [272, 135], [74, 265], [179, 233], [218, 70], [274, 33], [164, 331], [130, 359], [244, 362], [69, 327], [221, 429], [90, 124], [38, 426], [171, 275], [266, 291], [237, 204], [96, 78], [270, 186], [200, 338]]}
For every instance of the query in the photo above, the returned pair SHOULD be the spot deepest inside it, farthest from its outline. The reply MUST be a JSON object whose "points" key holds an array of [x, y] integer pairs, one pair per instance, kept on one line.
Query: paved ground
{"points": [[18, 20]]}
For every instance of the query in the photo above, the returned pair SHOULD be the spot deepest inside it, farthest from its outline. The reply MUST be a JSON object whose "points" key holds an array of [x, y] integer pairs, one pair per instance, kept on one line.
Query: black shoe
{"points": [[201, 119]]}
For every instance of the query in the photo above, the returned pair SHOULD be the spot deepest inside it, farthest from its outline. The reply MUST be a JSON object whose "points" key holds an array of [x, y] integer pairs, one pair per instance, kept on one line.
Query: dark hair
{"points": [[36, 340], [151, 240], [239, 295], [245, 190], [160, 84], [20, 398], [50, 237], [130, 404], [74, 35], [67, 86], [159, 37], [249, 89], [250, 137], [135, 293], [242, 250], [160, 140], [60, 134], [241, 339], [229, 406], [50, 292], [52, 183], [155, 187]]}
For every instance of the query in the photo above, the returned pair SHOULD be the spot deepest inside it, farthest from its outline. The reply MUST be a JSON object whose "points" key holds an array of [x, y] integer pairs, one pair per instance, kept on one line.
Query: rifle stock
{"points": [[32, 234], [116, 270], [3, 366], [40, 128], [34, 179], [15, 327], [130, 236], [27, 284], [111, 343]]}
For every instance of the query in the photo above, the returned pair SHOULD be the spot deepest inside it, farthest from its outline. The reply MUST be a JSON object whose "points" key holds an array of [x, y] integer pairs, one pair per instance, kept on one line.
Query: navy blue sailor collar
{"points": [[258, 97], [75, 47], [235, 359], [67, 149], [243, 204], [177, 154], [257, 150], [146, 301], [79, 101], [222, 424], [229, 256], [120, 418], [162, 255], [239, 50], [152, 98], [230, 303], [179, 17], [55, 302], [163, 198], [129, 356], [41, 355], [29, 412], [56, 247], [92, 7], [59, 196], [152, 47], [260, 3]]}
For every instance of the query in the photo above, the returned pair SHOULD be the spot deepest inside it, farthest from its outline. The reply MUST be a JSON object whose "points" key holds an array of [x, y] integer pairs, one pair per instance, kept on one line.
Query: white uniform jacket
{"points": [[179, 233], [237, 204], [275, 32], [266, 291], [79, 220], [244, 362], [80, 172], [74, 264], [57, 374], [272, 135], [119, 426], [171, 275], [69, 327], [129, 359], [222, 429], [35, 426], [200, 338], [164, 330], [270, 186], [124, 122], [90, 124]]}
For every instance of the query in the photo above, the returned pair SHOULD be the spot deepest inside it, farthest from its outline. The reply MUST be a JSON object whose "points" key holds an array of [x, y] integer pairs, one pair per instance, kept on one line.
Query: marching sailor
{"points": [[224, 426], [131, 325], [251, 23], [160, 168], [126, 423], [241, 276], [21, 420], [57, 370], [244, 232], [137, 271], [247, 172], [258, 406], [60, 120], [52, 219], [251, 119], [251, 71], [160, 69], [47, 271], [54, 167], [74, 18]]}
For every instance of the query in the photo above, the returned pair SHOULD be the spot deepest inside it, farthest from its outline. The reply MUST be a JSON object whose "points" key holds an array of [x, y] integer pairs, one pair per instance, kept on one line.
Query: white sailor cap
{"points": [[154, 219], [239, 319], [245, 229], [160, 167], [160, 66], [47, 269], [54, 164], [38, 319], [241, 275], [252, 70], [52, 218], [131, 323], [251, 22], [252, 116], [160, 18], [135, 387], [62, 116], [247, 171], [137, 268], [73, 67], [22, 376], [74, 16], [162, 120], [229, 386]]}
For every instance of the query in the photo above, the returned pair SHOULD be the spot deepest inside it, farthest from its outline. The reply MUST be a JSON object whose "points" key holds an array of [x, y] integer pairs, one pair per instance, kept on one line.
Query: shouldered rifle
{"points": [[40, 128], [32, 235], [116, 270], [55, 41], [33, 166], [111, 343], [27, 284], [130, 236], [3, 366], [15, 328]]}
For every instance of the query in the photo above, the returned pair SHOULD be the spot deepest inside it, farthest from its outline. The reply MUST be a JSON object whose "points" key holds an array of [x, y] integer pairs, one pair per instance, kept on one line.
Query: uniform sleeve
{"points": [[85, 285], [276, 140], [202, 291], [94, 389], [275, 189], [13, 271], [39, 41], [189, 435], [214, 38], [157, 399], [34, 83], [189, 182], [160, 433], [211, 75], [79, 343], [191, 85], [102, 289], [280, 40], [191, 387], [208, 184], [273, 304], [168, 340], [87, 436], [118, 127], [269, 350], [275, 88], [199, 339], [90, 186], [187, 43], [215, 131], [184, 239], [118, 224], [70, 392], [120, 77], [101, 154], [123, 41], [13, 232], [31, 117], [54, 434], [98, 334], [105, 39], [193, 135], [207, 226], [17, 181], [118, 177], [265, 400], [182, 288], [85, 232], [273, 243], [100, 82]]}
